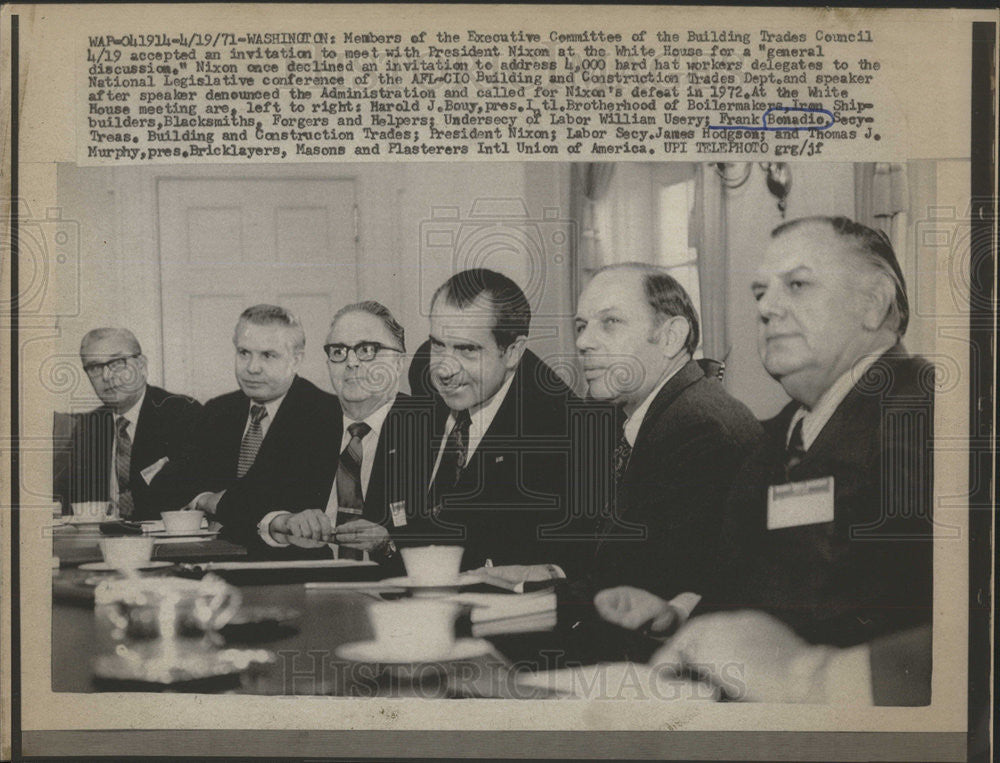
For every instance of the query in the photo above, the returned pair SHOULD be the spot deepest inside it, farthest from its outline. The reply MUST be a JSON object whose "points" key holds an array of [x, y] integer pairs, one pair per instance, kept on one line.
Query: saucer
{"points": [[374, 651], [105, 567], [408, 582], [215, 664], [195, 535]]}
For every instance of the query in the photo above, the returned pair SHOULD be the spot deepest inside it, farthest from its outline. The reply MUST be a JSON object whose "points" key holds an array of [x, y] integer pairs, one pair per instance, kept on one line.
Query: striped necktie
{"points": [[350, 499], [251, 440], [123, 460]]}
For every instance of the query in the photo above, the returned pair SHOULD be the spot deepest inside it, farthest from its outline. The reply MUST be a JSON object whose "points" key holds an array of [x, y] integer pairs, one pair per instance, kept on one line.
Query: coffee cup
{"points": [[414, 629], [127, 553], [180, 522], [433, 565], [90, 511]]}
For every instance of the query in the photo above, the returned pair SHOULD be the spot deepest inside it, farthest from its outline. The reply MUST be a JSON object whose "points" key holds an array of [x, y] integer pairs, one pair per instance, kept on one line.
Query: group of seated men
{"points": [[805, 539]]}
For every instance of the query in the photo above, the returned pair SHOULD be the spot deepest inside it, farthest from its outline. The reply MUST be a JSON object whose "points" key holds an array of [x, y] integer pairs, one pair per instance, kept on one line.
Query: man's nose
{"points": [[770, 304], [254, 365], [584, 339], [352, 358]]}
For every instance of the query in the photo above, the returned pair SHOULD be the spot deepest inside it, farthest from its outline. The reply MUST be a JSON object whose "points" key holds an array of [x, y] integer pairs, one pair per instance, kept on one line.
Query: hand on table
{"points": [[311, 528], [635, 608], [750, 655], [362, 535], [206, 502], [518, 573]]}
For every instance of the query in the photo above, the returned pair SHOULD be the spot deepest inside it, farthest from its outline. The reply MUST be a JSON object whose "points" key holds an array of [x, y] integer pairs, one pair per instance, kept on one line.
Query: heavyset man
{"points": [[128, 450]]}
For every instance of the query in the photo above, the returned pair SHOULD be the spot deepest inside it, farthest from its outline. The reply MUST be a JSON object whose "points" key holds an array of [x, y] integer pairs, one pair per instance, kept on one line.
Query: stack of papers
{"points": [[499, 613]]}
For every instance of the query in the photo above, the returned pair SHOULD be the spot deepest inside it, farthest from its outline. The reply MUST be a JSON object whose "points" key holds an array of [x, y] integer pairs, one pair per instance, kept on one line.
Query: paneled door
{"points": [[228, 244]]}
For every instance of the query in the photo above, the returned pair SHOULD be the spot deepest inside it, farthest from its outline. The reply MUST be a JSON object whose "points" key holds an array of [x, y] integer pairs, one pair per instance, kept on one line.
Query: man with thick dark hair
{"points": [[500, 456]]}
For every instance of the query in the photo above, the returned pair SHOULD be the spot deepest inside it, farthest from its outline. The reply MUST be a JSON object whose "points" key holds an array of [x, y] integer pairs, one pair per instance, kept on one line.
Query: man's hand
{"points": [[207, 502], [634, 608], [362, 535], [751, 656], [518, 573], [311, 528]]}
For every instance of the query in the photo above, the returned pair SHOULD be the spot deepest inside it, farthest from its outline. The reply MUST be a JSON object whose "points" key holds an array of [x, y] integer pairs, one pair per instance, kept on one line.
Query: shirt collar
{"points": [[634, 422], [271, 406], [480, 420], [132, 414], [375, 419], [813, 420]]}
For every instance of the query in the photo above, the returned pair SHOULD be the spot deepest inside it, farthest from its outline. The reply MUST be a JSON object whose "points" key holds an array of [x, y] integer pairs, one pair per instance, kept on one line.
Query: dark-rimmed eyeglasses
{"points": [[365, 351], [115, 365]]}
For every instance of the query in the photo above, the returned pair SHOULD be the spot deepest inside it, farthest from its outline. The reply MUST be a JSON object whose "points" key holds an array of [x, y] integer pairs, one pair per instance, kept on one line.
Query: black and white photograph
{"points": [[672, 444]]}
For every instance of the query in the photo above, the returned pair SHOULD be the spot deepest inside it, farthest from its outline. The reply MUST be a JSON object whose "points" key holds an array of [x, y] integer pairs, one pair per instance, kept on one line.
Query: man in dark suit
{"points": [[126, 451], [682, 436], [501, 448], [381, 472], [829, 524], [271, 445]]}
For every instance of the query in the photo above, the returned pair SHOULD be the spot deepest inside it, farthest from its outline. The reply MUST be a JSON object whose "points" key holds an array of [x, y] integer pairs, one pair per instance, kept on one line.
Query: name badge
{"points": [[153, 469], [398, 511], [800, 503]]}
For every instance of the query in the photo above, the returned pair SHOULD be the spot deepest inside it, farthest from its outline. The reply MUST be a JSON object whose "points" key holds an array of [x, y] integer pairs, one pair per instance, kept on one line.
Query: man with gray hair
{"points": [[266, 446], [124, 451]]}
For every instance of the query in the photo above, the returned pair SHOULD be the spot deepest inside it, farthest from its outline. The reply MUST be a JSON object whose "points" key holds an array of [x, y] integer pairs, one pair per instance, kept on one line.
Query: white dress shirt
{"points": [[132, 415], [634, 422], [369, 445], [814, 419], [479, 423]]}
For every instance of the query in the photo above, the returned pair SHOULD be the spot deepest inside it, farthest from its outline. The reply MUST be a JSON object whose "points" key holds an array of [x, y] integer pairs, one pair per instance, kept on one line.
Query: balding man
{"points": [[124, 451]]}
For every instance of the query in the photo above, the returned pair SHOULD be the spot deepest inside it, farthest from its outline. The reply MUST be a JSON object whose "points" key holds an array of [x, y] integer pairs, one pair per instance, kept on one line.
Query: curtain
{"points": [[589, 182], [708, 236], [882, 200]]}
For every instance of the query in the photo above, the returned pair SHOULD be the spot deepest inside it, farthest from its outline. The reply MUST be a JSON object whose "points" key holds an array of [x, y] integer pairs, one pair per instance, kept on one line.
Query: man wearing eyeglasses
{"points": [[124, 451], [265, 446], [376, 474]]}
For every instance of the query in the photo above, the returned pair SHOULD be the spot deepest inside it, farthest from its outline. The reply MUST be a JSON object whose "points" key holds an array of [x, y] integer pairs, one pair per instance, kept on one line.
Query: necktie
{"points": [[796, 450], [123, 458], [251, 440], [350, 499], [453, 460], [623, 451]]}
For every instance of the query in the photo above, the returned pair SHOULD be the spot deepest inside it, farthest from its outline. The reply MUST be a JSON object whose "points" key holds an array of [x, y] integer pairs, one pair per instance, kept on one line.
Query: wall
{"points": [[401, 205]]}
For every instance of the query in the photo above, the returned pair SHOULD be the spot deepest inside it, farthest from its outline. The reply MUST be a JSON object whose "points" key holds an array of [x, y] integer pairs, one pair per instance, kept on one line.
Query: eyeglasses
{"points": [[115, 365], [365, 351]]}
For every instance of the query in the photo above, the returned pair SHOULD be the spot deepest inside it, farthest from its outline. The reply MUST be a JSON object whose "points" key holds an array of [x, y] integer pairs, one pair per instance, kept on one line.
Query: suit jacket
{"points": [[83, 445], [665, 528], [513, 495], [294, 468], [868, 572]]}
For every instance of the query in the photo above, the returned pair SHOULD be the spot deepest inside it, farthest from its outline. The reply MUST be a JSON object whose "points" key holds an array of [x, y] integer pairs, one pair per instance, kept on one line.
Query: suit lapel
{"points": [[147, 432], [688, 374]]}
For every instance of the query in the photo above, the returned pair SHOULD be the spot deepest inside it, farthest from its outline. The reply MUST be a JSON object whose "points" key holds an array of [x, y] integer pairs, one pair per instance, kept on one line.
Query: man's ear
{"points": [[675, 330], [880, 295], [514, 351]]}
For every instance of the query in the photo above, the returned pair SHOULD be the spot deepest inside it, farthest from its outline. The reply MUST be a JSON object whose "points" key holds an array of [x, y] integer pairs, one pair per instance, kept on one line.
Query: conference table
{"points": [[293, 624]]}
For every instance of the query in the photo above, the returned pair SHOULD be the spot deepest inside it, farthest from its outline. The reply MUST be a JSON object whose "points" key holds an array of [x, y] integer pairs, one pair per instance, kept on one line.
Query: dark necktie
{"points": [[796, 450], [251, 440], [350, 499], [123, 459], [454, 458], [623, 451]]}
